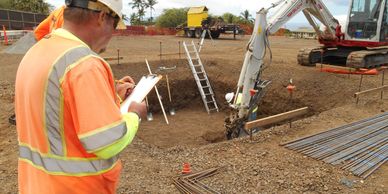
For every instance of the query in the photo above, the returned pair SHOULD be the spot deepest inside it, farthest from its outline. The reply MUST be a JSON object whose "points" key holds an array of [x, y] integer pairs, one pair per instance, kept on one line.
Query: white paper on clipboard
{"points": [[141, 90]]}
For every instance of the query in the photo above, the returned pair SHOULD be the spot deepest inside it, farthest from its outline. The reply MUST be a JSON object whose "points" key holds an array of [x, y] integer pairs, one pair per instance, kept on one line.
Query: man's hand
{"points": [[138, 108], [124, 87]]}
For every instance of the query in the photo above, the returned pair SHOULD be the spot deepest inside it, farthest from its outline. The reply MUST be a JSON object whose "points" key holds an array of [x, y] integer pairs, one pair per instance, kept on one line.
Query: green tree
{"points": [[36, 6], [5, 4], [246, 16], [140, 5], [150, 4], [134, 19], [136, 4], [229, 18], [141, 13], [172, 17]]}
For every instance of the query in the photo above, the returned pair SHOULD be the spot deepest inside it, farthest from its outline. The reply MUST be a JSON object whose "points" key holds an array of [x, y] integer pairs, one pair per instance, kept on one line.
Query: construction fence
{"points": [[145, 30], [19, 20]]}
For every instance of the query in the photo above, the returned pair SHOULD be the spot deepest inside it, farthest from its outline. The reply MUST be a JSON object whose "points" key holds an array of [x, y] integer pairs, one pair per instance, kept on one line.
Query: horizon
{"points": [[338, 8]]}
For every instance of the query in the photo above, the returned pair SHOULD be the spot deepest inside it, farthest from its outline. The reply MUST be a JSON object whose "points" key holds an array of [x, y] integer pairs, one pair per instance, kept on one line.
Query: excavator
{"points": [[363, 44]]}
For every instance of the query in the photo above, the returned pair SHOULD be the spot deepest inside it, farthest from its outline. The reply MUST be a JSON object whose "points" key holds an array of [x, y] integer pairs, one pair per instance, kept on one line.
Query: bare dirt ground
{"points": [[258, 166]]}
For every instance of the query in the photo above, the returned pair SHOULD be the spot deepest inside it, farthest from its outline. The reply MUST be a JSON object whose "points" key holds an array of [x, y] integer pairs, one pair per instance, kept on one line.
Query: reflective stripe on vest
{"points": [[54, 100], [104, 138], [65, 167], [55, 161]]}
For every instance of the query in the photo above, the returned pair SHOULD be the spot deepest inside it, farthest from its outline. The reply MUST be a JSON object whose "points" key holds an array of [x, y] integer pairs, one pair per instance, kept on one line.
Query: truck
{"points": [[198, 20], [364, 44]]}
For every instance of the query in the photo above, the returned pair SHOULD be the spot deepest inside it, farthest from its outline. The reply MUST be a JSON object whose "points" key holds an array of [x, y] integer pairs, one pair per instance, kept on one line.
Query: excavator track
{"points": [[304, 56], [368, 58], [343, 56]]}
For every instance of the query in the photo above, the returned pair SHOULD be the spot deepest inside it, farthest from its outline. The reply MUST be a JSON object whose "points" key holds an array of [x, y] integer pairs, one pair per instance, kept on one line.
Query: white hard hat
{"points": [[229, 97], [114, 6]]}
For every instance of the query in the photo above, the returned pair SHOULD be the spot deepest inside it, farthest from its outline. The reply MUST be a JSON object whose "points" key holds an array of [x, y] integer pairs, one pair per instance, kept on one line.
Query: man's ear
{"points": [[101, 18]]}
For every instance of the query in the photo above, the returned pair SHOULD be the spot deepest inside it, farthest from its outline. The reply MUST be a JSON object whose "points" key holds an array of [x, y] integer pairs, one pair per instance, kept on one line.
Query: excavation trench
{"points": [[192, 126]]}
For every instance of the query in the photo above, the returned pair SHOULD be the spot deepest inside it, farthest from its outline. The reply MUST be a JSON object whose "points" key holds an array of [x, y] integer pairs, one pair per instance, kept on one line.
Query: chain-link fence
{"points": [[19, 20]]}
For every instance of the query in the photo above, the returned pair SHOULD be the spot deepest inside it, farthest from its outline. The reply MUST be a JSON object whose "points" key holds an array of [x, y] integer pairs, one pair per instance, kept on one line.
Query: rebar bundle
{"points": [[191, 183], [360, 147]]}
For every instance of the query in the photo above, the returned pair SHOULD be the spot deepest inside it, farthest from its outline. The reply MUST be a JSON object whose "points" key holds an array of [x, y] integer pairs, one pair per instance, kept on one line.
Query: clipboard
{"points": [[141, 90]]}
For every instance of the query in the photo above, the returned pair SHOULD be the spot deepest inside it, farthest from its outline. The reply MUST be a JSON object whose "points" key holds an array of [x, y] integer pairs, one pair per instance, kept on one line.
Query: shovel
{"points": [[172, 109], [149, 113]]}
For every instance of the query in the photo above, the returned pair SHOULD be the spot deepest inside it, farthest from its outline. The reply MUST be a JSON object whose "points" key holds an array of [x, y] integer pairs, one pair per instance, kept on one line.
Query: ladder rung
{"points": [[198, 71]]}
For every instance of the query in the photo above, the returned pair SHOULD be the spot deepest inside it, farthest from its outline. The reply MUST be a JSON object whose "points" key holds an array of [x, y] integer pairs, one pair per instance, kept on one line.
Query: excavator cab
{"points": [[368, 21]]}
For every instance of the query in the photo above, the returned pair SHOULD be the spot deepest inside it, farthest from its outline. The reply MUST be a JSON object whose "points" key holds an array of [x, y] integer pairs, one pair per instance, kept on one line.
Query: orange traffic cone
{"points": [[186, 168], [5, 36]]}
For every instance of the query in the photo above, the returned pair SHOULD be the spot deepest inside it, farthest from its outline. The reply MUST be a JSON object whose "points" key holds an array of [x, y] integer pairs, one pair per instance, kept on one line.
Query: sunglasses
{"points": [[115, 18], [116, 21]]}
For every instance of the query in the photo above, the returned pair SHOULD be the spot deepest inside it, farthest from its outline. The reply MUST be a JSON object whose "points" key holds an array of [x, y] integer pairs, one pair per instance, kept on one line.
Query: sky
{"points": [[338, 8]]}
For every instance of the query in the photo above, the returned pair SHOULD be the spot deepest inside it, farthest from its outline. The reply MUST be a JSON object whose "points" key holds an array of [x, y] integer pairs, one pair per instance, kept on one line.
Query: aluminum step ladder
{"points": [[200, 77]]}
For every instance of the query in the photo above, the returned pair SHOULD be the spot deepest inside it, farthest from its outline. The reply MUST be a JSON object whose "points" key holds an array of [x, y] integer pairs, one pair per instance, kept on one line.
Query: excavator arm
{"points": [[250, 85]]}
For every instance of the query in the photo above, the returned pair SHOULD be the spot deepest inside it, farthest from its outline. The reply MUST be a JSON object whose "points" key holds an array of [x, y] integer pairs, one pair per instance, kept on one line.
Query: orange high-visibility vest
{"points": [[67, 114], [52, 22]]}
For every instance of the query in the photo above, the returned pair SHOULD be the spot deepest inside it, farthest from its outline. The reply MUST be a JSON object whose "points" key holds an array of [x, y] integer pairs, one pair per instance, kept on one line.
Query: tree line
{"points": [[35, 6], [177, 16], [169, 18], [140, 6]]}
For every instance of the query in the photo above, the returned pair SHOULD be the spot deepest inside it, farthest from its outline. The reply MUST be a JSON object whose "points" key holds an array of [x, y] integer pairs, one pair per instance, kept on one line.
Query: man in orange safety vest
{"points": [[70, 129], [52, 22]]}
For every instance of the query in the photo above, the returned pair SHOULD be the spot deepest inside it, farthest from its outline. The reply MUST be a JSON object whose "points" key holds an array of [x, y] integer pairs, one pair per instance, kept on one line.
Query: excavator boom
{"points": [[250, 86]]}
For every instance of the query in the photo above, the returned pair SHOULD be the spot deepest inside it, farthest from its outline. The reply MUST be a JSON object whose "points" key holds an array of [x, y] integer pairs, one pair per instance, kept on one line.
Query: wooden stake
{"points": [[359, 88], [382, 84], [157, 93], [179, 48], [118, 56], [168, 88], [160, 52]]}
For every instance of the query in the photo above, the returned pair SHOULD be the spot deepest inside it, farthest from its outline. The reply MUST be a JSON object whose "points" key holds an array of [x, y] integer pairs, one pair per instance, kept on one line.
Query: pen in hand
{"points": [[122, 82]]}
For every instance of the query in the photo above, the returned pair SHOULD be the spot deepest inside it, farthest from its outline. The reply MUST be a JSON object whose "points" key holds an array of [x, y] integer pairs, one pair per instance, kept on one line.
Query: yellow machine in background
{"points": [[196, 15], [198, 20]]}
